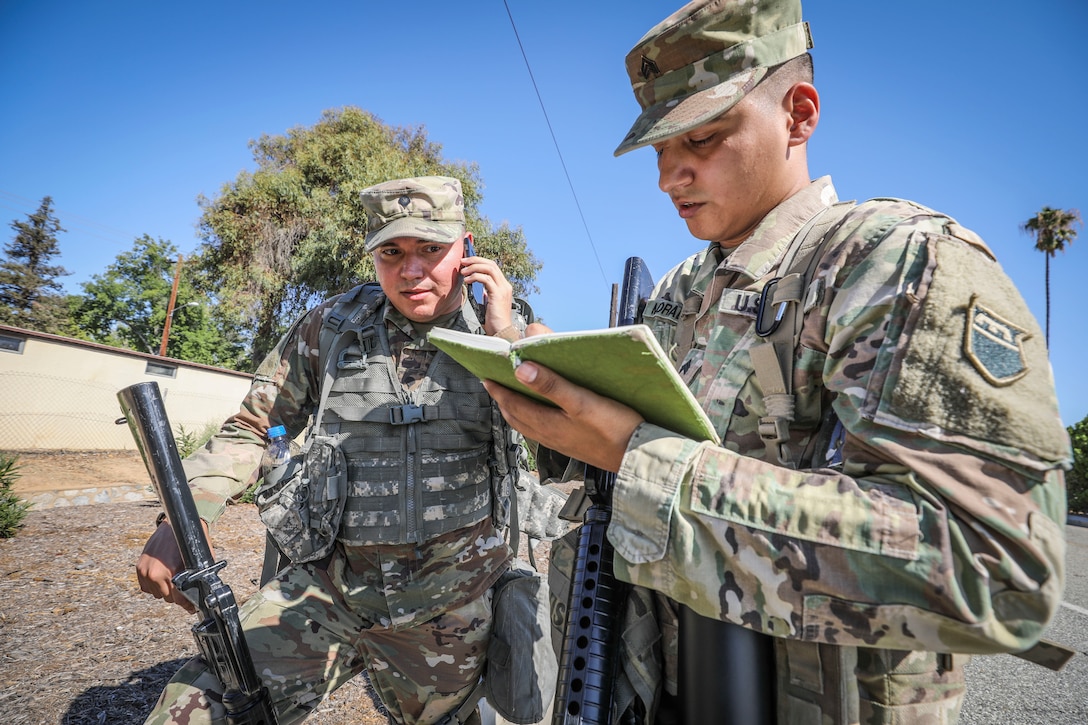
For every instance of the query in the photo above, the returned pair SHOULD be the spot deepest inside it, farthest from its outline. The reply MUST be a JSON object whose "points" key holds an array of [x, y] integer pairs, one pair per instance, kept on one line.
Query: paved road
{"points": [[1004, 690]]}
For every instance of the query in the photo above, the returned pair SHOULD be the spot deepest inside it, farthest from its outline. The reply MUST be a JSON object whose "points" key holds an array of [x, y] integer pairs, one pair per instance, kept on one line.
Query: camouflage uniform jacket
{"points": [[942, 529], [420, 580]]}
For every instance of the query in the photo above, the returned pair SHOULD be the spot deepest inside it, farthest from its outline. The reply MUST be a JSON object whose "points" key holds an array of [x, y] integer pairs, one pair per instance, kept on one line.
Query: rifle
{"points": [[597, 600], [219, 635], [726, 671]]}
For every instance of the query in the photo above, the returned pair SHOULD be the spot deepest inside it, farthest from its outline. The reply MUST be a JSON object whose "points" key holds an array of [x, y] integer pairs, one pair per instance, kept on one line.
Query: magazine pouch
{"points": [[301, 501], [521, 664]]}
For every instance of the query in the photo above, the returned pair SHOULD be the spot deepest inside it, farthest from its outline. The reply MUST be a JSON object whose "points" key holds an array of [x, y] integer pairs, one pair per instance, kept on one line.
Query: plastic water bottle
{"points": [[277, 454]]}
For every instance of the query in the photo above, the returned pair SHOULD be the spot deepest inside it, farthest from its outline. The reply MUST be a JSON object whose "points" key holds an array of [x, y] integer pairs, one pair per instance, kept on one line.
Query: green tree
{"points": [[30, 296], [290, 233], [1076, 480], [126, 307], [1052, 230]]}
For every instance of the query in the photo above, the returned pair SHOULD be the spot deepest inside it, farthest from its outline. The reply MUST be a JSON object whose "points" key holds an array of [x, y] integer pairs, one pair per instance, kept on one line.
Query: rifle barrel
{"points": [[142, 402]]}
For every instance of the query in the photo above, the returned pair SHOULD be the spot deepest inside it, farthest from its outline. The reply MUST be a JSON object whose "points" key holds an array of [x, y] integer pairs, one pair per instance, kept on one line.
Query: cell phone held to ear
{"points": [[476, 288]]}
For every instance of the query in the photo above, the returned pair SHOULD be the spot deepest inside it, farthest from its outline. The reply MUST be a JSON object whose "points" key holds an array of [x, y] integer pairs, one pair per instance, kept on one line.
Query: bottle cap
{"points": [[276, 431]]}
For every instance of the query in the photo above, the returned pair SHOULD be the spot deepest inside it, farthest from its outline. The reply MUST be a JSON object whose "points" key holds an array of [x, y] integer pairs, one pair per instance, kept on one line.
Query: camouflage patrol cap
{"points": [[425, 207], [699, 62]]}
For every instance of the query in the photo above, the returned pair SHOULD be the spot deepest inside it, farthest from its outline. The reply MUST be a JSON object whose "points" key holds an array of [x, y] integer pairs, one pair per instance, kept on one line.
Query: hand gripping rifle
{"points": [[219, 636], [591, 638]]}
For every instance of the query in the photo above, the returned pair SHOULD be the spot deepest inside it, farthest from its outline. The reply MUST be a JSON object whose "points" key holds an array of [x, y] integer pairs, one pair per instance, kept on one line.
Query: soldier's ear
{"points": [[802, 102]]}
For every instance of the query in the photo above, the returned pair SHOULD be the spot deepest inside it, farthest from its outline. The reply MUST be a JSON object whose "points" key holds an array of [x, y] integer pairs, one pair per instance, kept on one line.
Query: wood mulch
{"points": [[81, 645]]}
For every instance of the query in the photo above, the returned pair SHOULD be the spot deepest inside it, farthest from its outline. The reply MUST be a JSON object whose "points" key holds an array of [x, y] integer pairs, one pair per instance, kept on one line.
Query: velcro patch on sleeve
{"points": [[972, 359]]}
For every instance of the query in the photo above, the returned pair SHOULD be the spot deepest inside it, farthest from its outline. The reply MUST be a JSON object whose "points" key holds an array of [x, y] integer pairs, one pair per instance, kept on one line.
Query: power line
{"points": [[554, 141]]}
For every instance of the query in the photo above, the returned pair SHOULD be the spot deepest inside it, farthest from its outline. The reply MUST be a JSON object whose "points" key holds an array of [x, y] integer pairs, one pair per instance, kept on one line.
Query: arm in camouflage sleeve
{"points": [[943, 529], [227, 464], [282, 391]]}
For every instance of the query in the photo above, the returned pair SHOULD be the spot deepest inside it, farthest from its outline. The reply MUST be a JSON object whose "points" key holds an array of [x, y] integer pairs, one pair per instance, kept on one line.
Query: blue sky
{"points": [[124, 112]]}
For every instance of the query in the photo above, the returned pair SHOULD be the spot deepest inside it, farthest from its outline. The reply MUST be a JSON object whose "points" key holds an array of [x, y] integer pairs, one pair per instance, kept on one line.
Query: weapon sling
{"points": [[727, 671]]}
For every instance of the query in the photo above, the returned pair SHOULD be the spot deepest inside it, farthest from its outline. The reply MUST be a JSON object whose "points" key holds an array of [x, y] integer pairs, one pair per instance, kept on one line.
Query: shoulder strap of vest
{"points": [[352, 308], [507, 441], [356, 304], [779, 322]]}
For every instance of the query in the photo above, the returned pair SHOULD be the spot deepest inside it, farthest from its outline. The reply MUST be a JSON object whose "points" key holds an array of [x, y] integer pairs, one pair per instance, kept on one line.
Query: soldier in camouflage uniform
{"points": [[403, 587], [934, 528]]}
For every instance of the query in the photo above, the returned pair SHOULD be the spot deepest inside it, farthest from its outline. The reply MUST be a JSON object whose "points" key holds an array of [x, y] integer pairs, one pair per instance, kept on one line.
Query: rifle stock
{"points": [[726, 672], [219, 635]]}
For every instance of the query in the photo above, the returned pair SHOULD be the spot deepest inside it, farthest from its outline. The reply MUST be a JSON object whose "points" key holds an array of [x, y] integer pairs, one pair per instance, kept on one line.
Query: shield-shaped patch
{"points": [[994, 345]]}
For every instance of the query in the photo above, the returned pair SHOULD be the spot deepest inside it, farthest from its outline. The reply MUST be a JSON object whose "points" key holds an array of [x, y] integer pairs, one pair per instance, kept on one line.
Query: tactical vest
{"points": [[382, 465], [417, 461]]}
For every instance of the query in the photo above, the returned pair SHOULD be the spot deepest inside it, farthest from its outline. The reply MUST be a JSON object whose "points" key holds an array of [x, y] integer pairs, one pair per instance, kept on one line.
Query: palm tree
{"points": [[1052, 229]]}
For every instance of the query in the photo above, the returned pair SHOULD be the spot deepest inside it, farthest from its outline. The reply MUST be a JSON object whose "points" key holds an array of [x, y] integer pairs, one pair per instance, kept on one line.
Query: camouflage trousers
{"points": [[314, 627]]}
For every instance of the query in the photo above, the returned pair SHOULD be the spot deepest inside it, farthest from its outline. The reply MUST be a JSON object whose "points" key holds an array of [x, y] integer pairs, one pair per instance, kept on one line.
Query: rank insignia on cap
{"points": [[994, 346], [649, 68]]}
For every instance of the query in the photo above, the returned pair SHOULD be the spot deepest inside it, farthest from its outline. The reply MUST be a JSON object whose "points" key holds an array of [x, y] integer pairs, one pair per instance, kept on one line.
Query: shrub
{"points": [[248, 496], [189, 441], [12, 508], [1076, 480]]}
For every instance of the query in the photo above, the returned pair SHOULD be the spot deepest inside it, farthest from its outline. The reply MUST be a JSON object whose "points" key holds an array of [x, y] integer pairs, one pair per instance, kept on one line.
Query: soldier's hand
{"points": [[498, 292], [159, 562], [537, 328], [585, 426]]}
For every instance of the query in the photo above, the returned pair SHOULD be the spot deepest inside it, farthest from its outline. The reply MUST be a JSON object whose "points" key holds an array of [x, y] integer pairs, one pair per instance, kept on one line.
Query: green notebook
{"points": [[623, 363]]}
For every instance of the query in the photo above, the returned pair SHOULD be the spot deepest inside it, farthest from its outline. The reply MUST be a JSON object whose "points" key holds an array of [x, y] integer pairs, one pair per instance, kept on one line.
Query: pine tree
{"points": [[30, 296]]}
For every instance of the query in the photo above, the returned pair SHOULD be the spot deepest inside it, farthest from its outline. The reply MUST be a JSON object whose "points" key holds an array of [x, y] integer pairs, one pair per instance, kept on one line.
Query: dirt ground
{"points": [[79, 643], [43, 471]]}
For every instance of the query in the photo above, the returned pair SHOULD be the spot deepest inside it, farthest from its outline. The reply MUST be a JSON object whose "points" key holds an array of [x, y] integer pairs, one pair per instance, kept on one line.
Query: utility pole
{"points": [[170, 309]]}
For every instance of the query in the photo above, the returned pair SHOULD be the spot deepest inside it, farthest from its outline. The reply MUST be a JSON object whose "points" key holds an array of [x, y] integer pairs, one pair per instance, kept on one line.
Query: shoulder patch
{"points": [[994, 345]]}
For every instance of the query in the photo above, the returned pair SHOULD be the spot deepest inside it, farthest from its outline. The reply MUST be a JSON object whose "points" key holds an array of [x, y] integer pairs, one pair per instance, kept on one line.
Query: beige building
{"points": [[58, 393]]}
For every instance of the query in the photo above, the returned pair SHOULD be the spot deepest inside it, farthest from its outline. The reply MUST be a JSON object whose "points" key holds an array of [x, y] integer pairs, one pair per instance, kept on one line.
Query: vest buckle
{"points": [[406, 414]]}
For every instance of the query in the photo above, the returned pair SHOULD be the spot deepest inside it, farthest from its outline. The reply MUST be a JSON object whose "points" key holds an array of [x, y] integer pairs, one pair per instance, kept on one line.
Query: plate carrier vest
{"points": [[382, 465]]}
